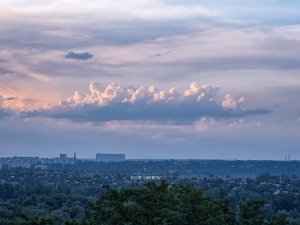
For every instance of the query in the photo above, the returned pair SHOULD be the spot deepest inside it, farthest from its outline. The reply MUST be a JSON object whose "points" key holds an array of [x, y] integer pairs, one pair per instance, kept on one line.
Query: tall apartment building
{"points": [[110, 157]]}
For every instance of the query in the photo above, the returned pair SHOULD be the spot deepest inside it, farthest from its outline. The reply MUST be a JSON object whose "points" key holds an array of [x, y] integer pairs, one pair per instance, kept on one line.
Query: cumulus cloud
{"points": [[118, 102], [229, 102], [84, 56]]}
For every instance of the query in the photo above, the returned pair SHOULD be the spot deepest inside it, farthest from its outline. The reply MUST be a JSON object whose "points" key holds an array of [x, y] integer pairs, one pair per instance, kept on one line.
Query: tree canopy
{"points": [[166, 203]]}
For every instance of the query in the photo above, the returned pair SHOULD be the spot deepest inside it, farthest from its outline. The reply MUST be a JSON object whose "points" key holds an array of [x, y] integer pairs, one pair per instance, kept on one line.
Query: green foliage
{"points": [[40, 220], [36, 220], [251, 213], [172, 204], [29, 195], [73, 222]]}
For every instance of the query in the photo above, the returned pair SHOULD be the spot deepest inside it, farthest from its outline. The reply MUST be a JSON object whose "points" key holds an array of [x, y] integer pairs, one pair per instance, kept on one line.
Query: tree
{"points": [[252, 213], [166, 203], [40, 220], [283, 201]]}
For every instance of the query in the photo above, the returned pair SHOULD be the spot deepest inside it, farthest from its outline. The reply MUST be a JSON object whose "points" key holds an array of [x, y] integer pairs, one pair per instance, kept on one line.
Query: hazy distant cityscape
{"points": [[104, 162], [43, 163]]}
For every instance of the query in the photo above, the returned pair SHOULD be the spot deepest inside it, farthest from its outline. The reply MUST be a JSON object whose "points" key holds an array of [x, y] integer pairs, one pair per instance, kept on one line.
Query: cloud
{"points": [[229, 102], [242, 125], [3, 112], [118, 102], [4, 71], [1, 100], [11, 98], [84, 56], [166, 53]]}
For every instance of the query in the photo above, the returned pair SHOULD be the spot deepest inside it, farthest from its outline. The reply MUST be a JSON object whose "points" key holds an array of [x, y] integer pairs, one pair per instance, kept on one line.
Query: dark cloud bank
{"points": [[83, 56], [179, 113]]}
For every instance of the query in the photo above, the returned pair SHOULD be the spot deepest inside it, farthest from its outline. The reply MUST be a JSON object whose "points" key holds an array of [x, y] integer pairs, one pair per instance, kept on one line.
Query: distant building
{"points": [[63, 157], [110, 157], [28, 160], [43, 167]]}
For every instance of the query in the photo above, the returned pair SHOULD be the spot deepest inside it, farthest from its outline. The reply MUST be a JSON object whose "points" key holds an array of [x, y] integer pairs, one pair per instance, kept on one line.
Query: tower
{"points": [[63, 157]]}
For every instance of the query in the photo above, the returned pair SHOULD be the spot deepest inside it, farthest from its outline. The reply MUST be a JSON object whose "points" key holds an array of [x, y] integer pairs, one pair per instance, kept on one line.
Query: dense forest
{"points": [[33, 202], [35, 196]]}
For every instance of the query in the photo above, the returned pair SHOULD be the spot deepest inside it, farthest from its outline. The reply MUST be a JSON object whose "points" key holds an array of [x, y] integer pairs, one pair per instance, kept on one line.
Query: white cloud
{"points": [[114, 92], [229, 102], [242, 99]]}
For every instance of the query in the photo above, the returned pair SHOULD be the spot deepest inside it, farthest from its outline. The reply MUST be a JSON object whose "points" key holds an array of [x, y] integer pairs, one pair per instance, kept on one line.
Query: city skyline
{"points": [[155, 79]]}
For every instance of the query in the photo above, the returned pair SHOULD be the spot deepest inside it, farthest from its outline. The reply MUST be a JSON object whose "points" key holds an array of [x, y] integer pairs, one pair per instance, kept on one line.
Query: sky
{"points": [[156, 79]]}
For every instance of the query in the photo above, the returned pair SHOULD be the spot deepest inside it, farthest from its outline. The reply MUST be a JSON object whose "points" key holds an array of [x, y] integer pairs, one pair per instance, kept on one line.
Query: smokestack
{"points": [[74, 157], [289, 158]]}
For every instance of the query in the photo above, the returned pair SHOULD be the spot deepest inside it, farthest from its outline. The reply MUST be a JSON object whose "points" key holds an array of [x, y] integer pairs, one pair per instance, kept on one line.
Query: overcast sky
{"points": [[154, 79]]}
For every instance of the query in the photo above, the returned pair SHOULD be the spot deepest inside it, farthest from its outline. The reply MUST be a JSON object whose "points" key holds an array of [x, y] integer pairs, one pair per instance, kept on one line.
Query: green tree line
{"points": [[172, 204]]}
